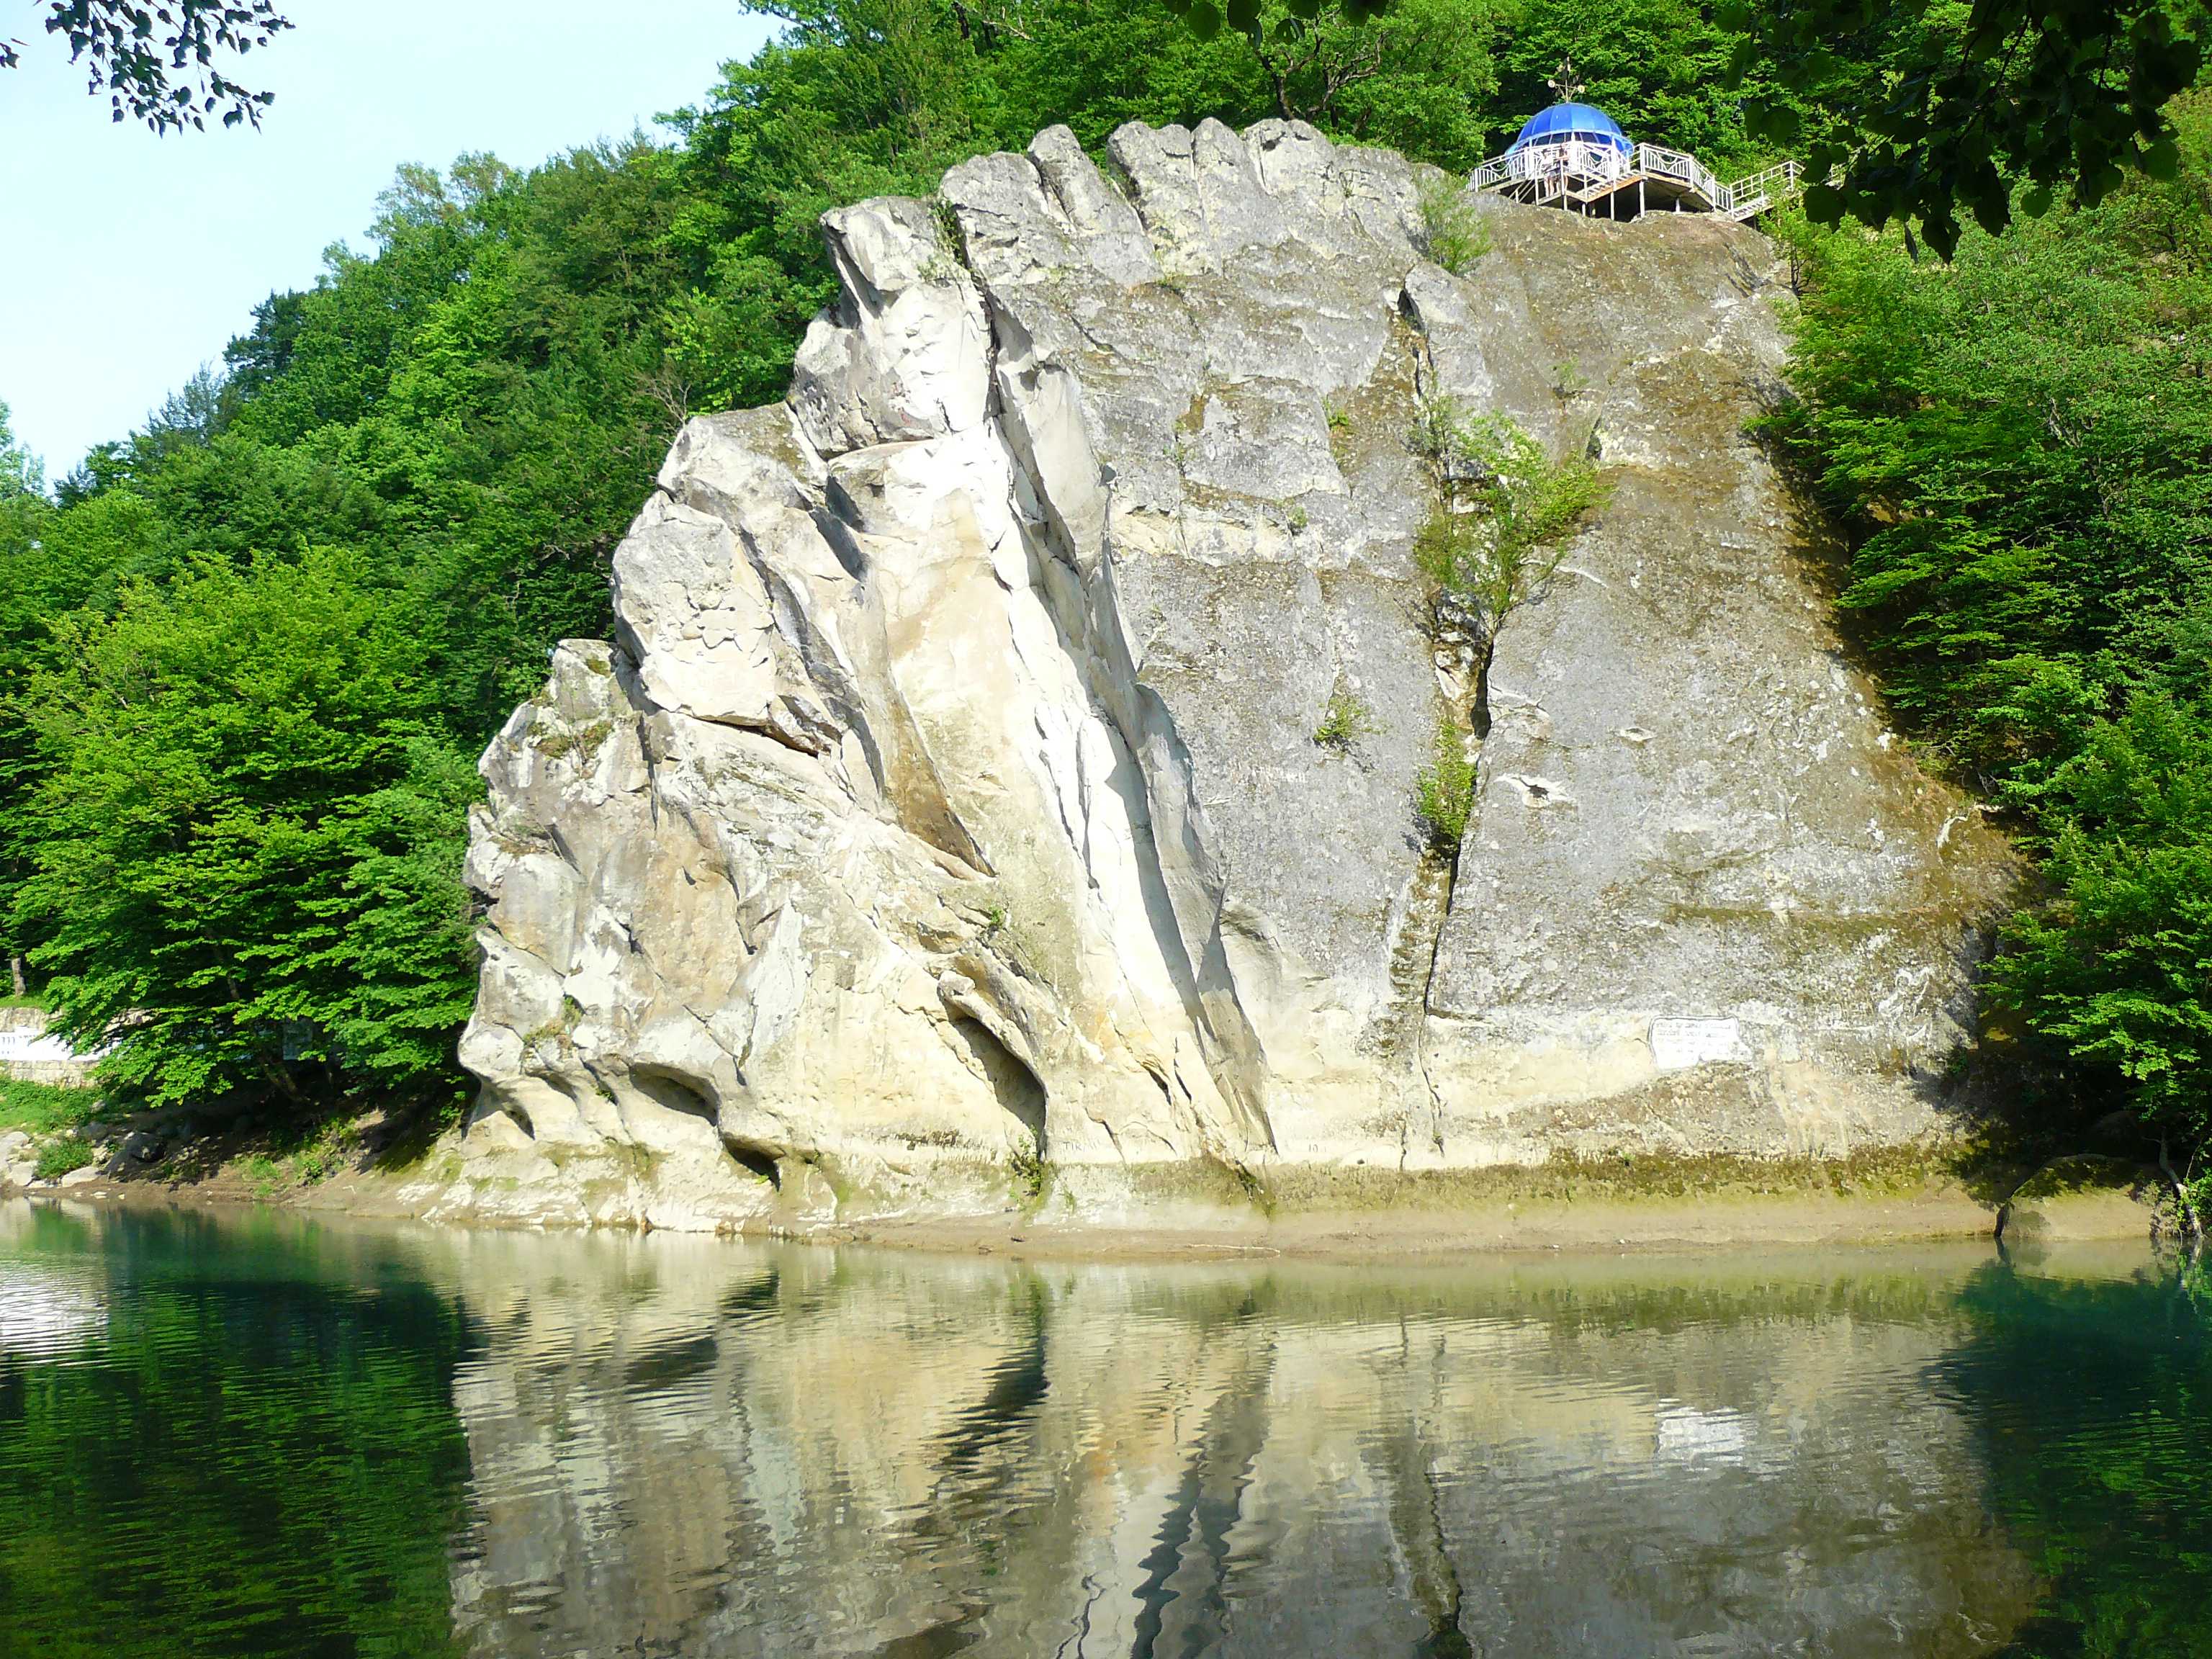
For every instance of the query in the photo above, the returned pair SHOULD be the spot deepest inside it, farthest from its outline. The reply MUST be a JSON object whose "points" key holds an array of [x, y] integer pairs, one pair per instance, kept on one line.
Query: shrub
{"points": [[1444, 793], [60, 1157], [1344, 721], [1030, 1173], [1452, 233], [1504, 514]]}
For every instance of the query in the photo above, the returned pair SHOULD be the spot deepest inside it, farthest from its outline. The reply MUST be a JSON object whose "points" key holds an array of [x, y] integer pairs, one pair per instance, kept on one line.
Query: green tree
{"points": [[1937, 107], [245, 843], [24, 514], [2118, 965], [1928, 107], [2021, 443]]}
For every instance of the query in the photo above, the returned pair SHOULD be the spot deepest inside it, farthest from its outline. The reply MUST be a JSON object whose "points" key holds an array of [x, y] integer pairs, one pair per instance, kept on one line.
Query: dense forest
{"points": [[249, 653], [2020, 444]]}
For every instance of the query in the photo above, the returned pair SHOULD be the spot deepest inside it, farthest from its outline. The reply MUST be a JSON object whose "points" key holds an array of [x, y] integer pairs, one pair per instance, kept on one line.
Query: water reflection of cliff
{"points": [[685, 1448]]}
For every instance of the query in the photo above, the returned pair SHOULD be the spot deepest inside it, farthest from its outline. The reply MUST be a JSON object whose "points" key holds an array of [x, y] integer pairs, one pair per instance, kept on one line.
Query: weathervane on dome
{"points": [[1563, 82]]}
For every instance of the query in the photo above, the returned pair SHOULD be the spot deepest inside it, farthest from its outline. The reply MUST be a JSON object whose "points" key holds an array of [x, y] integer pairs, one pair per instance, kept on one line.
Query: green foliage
{"points": [[157, 63], [1443, 791], [1031, 1174], [1344, 720], [2118, 966], [1660, 67], [22, 478], [1452, 233], [1505, 511], [1420, 80], [246, 835], [1937, 108], [63, 1157], [43, 1107], [2021, 442]]}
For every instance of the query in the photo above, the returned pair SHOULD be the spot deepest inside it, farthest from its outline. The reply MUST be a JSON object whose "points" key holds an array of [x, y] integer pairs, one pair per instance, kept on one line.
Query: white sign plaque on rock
{"points": [[1677, 1044]]}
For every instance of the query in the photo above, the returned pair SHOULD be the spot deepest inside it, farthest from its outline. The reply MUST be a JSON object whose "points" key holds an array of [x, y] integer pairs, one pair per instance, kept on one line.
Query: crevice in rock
{"points": [[1019, 1090], [1463, 651], [1478, 713], [664, 1088], [1085, 608], [1402, 1032], [754, 1160]]}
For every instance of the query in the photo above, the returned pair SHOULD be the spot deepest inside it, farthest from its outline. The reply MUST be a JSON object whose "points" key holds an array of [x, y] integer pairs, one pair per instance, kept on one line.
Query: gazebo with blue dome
{"points": [[1573, 156], [1576, 123]]}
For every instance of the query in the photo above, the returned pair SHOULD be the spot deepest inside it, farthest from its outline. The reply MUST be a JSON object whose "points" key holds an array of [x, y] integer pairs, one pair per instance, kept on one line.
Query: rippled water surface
{"points": [[266, 1436]]}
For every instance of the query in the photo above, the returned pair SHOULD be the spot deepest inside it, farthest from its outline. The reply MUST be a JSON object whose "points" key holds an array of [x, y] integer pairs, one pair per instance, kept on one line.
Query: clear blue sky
{"points": [[127, 261]]}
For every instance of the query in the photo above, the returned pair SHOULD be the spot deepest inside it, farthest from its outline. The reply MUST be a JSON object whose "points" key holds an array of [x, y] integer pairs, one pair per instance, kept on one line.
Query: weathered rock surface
{"points": [[18, 1163], [2086, 1198], [947, 805]]}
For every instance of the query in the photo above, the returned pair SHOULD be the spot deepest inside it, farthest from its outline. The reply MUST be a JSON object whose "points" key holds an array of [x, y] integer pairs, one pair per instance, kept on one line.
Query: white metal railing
{"points": [[1585, 170], [1683, 168], [1535, 163], [34, 1047], [1757, 193]]}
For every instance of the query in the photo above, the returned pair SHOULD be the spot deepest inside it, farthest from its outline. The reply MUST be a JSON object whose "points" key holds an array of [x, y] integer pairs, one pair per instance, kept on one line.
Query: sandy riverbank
{"points": [[1700, 1204]]}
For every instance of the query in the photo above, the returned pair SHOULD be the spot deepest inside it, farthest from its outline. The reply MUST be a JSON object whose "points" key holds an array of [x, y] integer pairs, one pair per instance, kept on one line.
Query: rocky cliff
{"points": [[945, 827]]}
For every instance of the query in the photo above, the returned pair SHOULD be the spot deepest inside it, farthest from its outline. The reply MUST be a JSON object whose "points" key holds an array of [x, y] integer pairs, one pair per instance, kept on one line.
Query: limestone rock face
{"points": [[946, 815], [2074, 1198]]}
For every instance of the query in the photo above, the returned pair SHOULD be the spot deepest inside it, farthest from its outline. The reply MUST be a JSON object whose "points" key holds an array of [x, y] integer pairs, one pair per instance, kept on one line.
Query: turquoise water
{"points": [[260, 1436]]}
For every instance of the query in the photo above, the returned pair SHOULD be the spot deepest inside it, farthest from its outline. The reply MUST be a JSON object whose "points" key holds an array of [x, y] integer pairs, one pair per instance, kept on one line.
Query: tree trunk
{"points": [[2191, 1227], [16, 973]]}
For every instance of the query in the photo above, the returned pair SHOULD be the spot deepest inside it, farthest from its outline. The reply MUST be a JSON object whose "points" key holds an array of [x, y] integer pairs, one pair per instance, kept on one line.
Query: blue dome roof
{"points": [[1563, 121]]}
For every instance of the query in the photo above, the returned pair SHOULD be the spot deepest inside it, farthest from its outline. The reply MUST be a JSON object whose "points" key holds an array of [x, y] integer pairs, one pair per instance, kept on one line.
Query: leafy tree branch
{"points": [[158, 62]]}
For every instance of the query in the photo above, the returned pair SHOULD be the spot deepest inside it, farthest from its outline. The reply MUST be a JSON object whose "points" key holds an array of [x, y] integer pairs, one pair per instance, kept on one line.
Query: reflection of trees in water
{"points": [[709, 1451], [2093, 1402], [259, 1456]]}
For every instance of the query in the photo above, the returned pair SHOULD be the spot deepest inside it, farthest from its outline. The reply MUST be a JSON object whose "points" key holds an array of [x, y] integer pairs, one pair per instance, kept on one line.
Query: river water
{"points": [[259, 1435]]}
